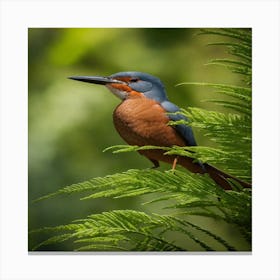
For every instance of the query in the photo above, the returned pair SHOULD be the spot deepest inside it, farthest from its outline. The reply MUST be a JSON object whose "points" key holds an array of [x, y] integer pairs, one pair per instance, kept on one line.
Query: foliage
{"points": [[184, 194], [187, 193]]}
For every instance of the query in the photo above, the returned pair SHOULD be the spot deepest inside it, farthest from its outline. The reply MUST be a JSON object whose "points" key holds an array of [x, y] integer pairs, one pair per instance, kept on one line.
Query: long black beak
{"points": [[96, 80]]}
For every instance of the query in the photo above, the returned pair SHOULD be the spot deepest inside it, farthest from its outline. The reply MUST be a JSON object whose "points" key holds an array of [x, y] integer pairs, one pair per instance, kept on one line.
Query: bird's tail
{"points": [[221, 177], [216, 174]]}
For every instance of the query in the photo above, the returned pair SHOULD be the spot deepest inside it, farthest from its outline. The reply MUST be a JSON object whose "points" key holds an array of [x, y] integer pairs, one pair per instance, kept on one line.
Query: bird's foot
{"points": [[174, 163]]}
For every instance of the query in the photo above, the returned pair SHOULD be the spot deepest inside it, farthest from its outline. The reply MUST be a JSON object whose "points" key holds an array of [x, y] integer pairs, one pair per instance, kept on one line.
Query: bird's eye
{"points": [[134, 80]]}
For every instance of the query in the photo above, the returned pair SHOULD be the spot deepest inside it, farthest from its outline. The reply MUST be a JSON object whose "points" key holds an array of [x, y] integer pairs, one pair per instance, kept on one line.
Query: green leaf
{"points": [[180, 195]]}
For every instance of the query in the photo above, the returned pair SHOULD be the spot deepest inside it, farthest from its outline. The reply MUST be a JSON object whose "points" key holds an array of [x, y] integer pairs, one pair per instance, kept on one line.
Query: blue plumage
{"points": [[153, 88], [184, 130]]}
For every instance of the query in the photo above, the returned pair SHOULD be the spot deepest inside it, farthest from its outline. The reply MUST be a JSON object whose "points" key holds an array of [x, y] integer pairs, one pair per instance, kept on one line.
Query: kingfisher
{"points": [[143, 117]]}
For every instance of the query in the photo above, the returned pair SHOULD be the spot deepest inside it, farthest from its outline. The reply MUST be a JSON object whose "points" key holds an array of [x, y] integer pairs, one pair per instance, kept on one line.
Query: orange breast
{"points": [[141, 121]]}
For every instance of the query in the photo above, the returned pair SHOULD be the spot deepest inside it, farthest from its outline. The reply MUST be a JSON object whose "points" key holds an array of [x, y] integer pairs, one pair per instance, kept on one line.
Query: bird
{"points": [[143, 118]]}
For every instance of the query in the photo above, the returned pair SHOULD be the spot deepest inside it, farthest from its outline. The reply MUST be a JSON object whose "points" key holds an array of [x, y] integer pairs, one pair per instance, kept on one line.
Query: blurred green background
{"points": [[70, 123]]}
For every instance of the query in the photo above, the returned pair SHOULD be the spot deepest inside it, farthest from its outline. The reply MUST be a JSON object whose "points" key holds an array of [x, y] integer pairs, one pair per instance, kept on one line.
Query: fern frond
{"points": [[235, 33], [127, 224], [240, 48], [185, 191], [234, 65], [237, 106], [133, 182], [54, 240], [243, 52], [185, 195], [242, 94], [228, 62]]}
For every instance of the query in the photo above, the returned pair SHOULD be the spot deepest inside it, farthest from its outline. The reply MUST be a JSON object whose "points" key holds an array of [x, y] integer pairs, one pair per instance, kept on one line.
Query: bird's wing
{"points": [[184, 130]]}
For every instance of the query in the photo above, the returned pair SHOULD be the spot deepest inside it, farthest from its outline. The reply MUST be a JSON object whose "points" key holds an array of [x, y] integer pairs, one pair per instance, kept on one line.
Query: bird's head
{"points": [[128, 84]]}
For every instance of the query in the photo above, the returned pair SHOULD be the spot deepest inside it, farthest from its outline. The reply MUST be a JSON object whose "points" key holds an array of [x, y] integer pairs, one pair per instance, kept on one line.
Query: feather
{"points": [[185, 131]]}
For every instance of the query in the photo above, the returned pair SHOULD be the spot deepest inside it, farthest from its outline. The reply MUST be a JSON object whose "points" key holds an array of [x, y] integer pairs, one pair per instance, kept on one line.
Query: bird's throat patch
{"points": [[120, 90], [123, 91]]}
